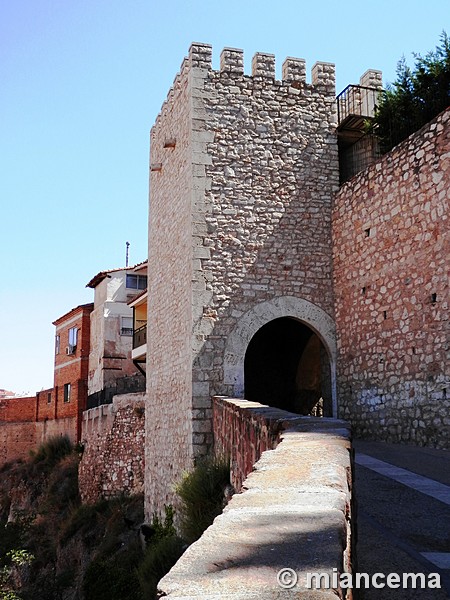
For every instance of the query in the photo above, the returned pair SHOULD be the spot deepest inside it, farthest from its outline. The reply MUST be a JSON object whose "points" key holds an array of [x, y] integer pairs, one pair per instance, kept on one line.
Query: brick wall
{"points": [[113, 457], [46, 405], [18, 409], [243, 430], [17, 439], [391, 267]]}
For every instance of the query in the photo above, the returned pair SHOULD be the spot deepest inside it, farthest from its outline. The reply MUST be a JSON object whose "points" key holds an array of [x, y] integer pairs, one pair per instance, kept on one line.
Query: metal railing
{"points": [[357, 100], [140, 336], [123, 385]]}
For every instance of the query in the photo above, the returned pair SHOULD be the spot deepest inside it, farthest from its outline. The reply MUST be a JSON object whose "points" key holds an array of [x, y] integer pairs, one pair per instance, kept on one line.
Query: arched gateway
{"points": [[282, 352]]}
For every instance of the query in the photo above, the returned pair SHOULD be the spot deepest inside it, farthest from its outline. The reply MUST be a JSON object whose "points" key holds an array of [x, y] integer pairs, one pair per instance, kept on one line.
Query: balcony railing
{"points": [[357, 101], [140, 336], [123, 385]]}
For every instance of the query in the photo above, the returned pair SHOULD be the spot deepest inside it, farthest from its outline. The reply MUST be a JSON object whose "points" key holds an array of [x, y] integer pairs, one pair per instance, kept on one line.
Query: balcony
{"points": [[140, 336], [356, 106], [139, 350]]}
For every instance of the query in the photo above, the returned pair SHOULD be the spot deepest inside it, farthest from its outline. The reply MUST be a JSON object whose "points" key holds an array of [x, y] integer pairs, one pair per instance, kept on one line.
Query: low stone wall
{"points": [[113, 437], [243, 430], [19, 438], [295, 510]]}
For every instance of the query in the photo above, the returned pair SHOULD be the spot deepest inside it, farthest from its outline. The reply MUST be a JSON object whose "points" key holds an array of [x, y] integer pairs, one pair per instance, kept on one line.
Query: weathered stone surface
{"points": [[391, 266], [113, 457], [240, 216], [294, 512]]}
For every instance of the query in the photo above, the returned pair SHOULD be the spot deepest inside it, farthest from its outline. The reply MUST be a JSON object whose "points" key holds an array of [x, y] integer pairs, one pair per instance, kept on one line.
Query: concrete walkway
{"points": [[403, 496]]}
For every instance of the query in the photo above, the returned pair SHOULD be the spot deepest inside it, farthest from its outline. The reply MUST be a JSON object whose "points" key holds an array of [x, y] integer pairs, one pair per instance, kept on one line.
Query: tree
{"points": [[416, 96]]}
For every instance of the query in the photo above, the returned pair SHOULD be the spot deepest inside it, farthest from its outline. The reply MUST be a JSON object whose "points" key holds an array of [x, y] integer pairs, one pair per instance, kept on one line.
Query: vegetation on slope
{"points": [[416, 97], [52, 547], [44, 526]]}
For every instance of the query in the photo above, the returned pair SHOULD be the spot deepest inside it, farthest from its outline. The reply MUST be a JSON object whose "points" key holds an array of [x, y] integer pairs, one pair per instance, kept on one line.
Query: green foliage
{"points": [[52, 451], [114, 577], [9, 595], [11, 536], [166, 528], [20, 557], [85, 519], [13, 558], [202, 495], [159, 558], [416, 97], [163, 550]]}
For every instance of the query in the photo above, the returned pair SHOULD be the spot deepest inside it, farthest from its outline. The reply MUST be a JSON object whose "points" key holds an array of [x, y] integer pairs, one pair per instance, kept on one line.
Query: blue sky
{"points": [[81, 84]]}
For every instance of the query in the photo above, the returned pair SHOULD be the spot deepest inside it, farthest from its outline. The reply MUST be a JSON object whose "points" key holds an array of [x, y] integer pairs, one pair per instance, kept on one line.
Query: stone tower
{"points": [[243, 169]]}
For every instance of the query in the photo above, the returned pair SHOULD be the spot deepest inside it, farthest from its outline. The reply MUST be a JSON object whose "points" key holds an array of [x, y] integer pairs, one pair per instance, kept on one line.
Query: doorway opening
{"points": [[287, 366]]}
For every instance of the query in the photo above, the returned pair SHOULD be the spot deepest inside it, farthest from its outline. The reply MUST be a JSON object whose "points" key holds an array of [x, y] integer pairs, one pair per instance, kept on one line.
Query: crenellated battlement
{"points": [[294, 69], [263, 65], [231, 67]]}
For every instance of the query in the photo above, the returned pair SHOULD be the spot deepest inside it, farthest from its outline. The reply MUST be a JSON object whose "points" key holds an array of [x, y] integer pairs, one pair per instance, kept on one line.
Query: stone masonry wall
{"points": [[243, 169], [264, 197], [295, 512], [391, 276], [113, 458], [169, 357]]}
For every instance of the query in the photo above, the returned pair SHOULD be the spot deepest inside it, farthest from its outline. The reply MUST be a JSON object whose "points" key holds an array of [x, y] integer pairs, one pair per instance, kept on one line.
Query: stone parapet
{"points": [[295, 511]]}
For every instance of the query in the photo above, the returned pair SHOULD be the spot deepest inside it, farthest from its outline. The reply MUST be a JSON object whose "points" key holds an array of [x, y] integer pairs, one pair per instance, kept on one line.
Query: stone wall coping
{"points": [[294, 512], [120, 401]]}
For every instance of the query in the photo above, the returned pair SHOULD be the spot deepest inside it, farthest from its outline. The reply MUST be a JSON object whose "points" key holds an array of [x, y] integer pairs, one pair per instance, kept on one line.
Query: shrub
{"points": [[416, 97], [114, 577], [158, 560], [52, 451], [164, 548], [85, 519], [202, 495]]}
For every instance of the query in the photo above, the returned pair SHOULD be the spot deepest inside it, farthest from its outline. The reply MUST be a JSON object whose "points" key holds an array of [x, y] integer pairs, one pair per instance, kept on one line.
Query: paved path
{"points": [[403, 496]]}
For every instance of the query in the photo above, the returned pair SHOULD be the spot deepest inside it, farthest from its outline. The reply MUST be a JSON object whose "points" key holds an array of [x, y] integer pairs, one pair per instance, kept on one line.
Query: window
{"points": [[67, 390], [126, 325], [136, 282], [49, 398], [73, 338], [57, 344]]}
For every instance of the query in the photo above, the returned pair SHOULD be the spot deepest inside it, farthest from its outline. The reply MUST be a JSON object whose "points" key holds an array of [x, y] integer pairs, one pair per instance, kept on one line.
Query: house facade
{"points": [[112, 329], [72, 344]]}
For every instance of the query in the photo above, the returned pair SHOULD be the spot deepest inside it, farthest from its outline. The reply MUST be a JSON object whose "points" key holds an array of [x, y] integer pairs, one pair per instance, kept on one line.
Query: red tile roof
{"points": [[82, 307], [93, 283]]}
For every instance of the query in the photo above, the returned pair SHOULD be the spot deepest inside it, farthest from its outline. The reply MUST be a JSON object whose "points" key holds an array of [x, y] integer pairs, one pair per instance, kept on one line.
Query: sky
{"points": [[81, 83]]}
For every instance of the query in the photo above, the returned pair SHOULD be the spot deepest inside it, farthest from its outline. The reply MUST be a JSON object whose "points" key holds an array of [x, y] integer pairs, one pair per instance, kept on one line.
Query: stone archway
{"points": [[317, 320]]}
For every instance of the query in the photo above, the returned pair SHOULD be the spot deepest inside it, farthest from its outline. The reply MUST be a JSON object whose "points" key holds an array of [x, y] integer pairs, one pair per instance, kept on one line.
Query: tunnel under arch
{"points": [[300, 311], [286, 365]]}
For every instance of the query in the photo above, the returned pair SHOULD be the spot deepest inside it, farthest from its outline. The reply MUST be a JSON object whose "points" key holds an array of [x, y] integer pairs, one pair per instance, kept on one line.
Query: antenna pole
{"points": [[126, 256]]}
